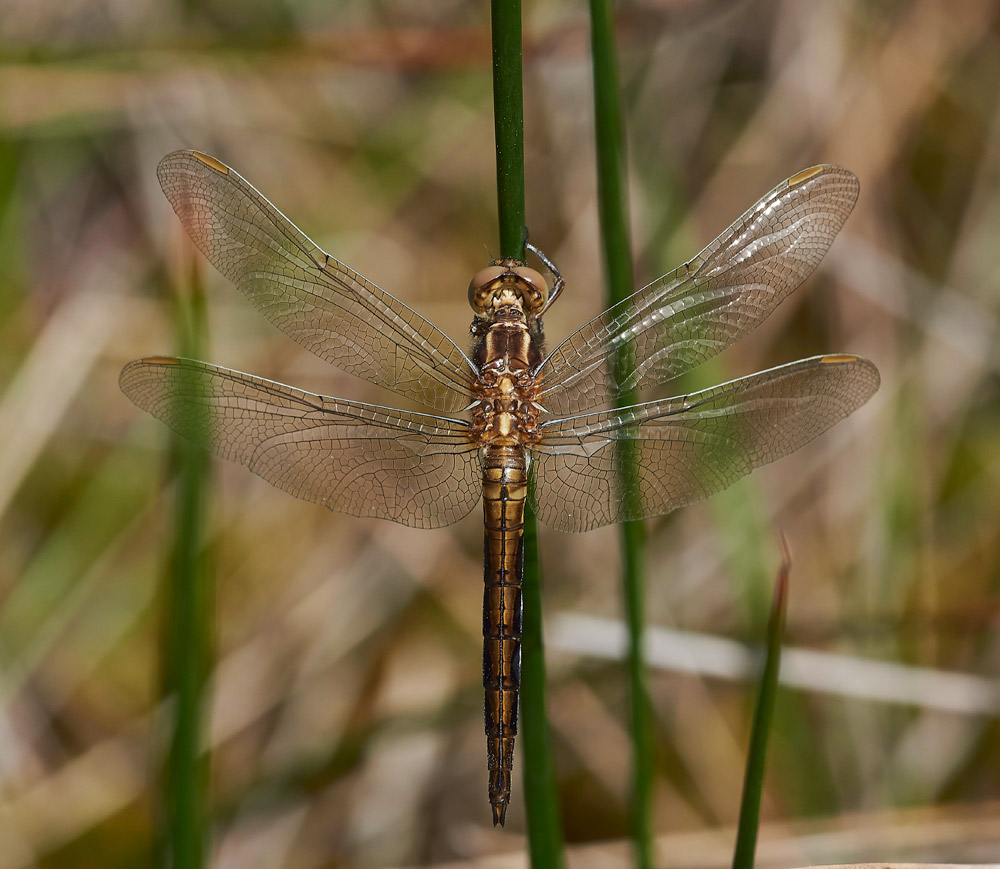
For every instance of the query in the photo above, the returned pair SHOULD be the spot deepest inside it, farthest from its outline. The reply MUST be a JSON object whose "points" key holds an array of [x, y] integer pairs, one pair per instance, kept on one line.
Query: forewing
{"points": [[682, 450], [696, 311], [355, 458], [314, 299]]}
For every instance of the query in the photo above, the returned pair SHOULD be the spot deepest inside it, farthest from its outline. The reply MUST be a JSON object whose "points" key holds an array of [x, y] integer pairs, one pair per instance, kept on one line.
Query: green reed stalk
{"points": [[187, 631], [613, 203], [753, 780], [540, 797]]}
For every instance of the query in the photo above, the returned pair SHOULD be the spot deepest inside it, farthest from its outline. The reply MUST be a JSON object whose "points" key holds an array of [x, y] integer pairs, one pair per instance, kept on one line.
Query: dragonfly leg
{"points": [[557, 288]]}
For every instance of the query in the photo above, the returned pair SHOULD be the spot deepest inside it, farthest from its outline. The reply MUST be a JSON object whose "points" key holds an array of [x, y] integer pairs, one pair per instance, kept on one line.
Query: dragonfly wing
{"points": [[646, 460], [355, 458], [314, 299], [696, 311]]}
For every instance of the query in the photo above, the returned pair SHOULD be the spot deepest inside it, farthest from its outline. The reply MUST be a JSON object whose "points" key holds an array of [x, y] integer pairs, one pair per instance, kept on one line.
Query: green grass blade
{"points": [[540, 797], [615, 235], [187, 631], [753, 781]]}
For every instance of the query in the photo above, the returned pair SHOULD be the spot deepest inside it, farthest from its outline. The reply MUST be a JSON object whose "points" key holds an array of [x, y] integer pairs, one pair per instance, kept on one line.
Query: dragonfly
{"points": [[508, 405]]}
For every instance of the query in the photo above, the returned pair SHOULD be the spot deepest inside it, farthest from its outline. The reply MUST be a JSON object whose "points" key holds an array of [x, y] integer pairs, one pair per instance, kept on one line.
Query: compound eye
{"points": [[481, 289], [536, 291]]}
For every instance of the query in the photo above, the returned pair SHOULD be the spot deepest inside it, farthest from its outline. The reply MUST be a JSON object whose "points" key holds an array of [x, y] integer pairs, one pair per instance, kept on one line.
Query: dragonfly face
{"points": [[508, 282], [508, 403]]}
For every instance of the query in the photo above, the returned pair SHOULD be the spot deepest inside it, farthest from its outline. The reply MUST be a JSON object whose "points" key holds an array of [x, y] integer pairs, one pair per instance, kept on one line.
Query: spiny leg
{"points": [[557, 288]]}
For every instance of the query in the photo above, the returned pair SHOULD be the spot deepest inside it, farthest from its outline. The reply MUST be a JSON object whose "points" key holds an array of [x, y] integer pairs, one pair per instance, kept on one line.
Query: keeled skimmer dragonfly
{"points": [[508, 403]]}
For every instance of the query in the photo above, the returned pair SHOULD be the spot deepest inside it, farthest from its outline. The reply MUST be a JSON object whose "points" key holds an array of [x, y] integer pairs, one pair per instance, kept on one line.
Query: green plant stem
{"points": [[187, 635], [753, 780], [540, 797], [508, 122], [613, 203]]}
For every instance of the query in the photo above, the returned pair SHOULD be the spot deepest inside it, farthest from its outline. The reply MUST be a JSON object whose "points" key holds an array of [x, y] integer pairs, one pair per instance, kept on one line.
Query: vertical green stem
{"points": [[508, 121], [613, 201], [753, 781], [187, 635], [540, 797]]}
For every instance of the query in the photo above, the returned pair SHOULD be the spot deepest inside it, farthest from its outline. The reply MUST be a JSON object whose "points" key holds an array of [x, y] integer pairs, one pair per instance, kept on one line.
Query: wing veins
{"points": [[352, 323], [758, 260], [688, 447], [363, 459]]}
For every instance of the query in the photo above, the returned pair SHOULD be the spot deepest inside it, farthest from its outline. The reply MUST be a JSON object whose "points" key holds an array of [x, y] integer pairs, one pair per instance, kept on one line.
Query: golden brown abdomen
{"points": [[505, 485]]}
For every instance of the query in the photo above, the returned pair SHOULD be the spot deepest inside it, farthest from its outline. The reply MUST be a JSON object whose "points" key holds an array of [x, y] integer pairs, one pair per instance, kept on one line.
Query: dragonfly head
{"points": [[508, 282]]}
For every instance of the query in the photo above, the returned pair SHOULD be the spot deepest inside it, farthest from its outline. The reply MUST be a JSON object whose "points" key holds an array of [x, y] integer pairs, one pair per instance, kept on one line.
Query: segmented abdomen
{"points": [[505, 486]]}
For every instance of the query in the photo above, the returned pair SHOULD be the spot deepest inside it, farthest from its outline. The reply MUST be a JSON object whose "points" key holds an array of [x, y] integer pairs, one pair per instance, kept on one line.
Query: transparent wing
{"points": [[684, 449], [314, 299], [355, 458], [696, 311]]}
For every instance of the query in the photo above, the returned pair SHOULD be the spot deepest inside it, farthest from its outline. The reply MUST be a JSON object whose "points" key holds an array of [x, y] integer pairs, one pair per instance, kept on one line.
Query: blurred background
{"points": [[346, 712]]}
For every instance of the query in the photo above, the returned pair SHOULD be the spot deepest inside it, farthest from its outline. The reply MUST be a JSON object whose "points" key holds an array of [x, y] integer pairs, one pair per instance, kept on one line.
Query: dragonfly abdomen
{"points": [[505, 486]]}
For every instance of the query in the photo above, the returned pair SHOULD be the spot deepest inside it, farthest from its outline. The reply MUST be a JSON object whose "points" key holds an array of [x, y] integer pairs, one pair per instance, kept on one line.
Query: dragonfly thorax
{"points": [[508, 355], [505, 414]]}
